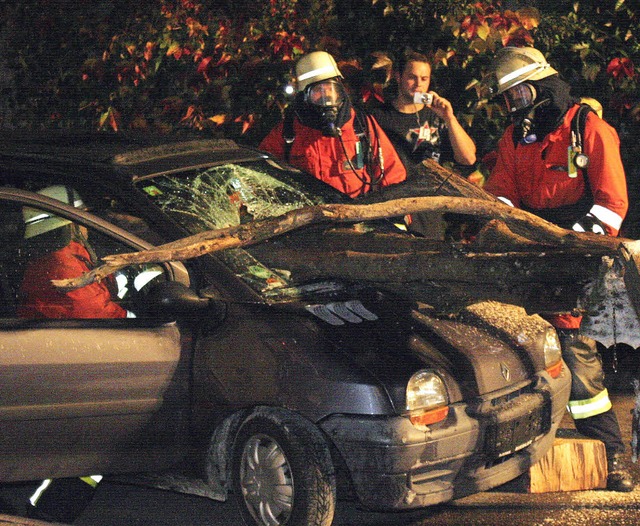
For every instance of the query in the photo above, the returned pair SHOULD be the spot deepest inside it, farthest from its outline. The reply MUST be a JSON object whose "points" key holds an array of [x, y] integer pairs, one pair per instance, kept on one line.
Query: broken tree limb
{"points": [[445, 275], [429, 178], [523, 224]]}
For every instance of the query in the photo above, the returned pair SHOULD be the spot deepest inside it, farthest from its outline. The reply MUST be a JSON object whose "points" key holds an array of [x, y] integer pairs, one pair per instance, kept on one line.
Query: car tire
{"points": [[282, 471]]}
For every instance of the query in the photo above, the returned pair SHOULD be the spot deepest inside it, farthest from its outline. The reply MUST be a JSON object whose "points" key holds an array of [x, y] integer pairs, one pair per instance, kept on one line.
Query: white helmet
{"points": [[514, 65], [315, 67], [38, 221]]}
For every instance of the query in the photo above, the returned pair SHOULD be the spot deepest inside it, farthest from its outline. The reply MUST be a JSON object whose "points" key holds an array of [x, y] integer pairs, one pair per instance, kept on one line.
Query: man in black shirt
{"points": [[420, 123]]}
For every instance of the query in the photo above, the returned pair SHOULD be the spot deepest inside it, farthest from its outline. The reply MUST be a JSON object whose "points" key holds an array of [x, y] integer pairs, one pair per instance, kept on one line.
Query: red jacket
{"points": [[40, 299], [535, 176], [532, 175], [324, 157]]}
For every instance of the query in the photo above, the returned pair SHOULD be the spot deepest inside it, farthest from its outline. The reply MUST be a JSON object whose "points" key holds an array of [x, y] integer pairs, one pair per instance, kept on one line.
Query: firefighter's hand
{"points": [[590, 223]]}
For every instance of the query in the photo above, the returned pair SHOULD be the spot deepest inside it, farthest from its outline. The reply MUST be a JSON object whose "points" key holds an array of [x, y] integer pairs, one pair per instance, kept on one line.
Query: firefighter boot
{"points": [[618, 478]]}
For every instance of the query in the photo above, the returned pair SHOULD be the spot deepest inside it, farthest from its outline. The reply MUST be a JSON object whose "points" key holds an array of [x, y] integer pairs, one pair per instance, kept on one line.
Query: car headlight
{"points": [[427, 398], [552, 353]]}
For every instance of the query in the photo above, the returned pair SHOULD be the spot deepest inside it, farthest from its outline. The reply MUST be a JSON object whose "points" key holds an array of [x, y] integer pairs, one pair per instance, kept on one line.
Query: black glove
{"points": [[590, 223]]}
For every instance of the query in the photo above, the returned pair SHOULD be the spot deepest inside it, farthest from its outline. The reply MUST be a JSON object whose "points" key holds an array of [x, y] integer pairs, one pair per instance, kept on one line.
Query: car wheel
{"points": [[282, 472]]}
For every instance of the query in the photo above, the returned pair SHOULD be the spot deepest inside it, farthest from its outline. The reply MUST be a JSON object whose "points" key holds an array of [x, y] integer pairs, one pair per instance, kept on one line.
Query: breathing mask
{"points": [[519, 97], [522, 101], [325, 98]]}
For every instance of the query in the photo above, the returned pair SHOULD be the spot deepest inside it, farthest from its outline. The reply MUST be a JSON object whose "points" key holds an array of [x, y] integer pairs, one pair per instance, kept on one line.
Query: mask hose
{"points": [[526, 125], [329, 117]]}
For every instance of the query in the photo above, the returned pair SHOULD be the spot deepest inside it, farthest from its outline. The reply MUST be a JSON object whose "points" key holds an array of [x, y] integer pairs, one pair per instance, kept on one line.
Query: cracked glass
{"points": [[230, 195]]}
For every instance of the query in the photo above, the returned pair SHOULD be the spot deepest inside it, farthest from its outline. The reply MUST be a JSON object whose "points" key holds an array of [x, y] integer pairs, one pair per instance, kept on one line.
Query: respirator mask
{"points": [[521, 104], [325, 100]]}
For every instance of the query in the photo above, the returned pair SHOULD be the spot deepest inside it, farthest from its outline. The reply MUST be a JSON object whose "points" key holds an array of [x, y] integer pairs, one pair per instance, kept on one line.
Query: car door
{"points": [[83, 395]]}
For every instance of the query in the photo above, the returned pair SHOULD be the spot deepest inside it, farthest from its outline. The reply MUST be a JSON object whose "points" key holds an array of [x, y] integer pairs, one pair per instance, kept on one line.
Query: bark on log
{"points": [[444, 275], [524, 225], [570, 465]]}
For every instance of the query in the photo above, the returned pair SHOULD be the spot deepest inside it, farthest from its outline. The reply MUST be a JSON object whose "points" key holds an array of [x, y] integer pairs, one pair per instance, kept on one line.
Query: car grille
{"points": [[513, 421], [503, 399]]}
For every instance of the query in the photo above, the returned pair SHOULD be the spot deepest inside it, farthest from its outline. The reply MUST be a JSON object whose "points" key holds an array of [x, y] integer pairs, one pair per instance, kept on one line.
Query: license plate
{"points": [[505, 438]]}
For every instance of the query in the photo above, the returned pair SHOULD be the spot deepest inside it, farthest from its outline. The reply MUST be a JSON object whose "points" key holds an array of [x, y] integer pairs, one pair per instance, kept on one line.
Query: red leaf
{"points": [[621, 67], [204, 65]]}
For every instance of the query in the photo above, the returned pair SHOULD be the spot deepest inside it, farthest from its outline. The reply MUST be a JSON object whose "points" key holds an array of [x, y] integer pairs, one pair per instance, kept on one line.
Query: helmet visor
{"points": [[329, 93], [519, 97]]}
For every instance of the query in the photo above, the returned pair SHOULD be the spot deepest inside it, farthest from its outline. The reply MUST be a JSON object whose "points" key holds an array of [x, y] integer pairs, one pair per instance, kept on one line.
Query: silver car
{"points": [[283, 389]]}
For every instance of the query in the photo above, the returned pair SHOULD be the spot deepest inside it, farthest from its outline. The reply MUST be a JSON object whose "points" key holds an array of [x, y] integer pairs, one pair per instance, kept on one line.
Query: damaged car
{"points": [[281, 384]]}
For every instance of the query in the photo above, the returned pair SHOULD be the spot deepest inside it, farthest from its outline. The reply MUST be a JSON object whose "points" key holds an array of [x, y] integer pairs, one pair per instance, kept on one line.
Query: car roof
{"points": [[138, 154]]}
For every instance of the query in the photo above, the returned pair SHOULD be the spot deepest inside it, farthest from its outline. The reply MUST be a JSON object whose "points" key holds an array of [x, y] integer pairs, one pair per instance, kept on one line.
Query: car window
{"points": [[235, 193], [38, 246], [230, 195], [227, 195]]}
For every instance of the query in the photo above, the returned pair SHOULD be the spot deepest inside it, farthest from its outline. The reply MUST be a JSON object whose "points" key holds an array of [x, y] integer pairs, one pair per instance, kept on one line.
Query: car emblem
{"points": [[506, 373]]}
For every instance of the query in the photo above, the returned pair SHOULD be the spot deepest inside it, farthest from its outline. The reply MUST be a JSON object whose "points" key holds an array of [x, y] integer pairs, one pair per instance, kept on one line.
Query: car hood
{"points": [[484, 348]]}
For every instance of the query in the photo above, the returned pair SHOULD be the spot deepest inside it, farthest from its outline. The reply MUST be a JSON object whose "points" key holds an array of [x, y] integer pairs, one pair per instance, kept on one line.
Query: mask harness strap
{"points": [[365, 150]]}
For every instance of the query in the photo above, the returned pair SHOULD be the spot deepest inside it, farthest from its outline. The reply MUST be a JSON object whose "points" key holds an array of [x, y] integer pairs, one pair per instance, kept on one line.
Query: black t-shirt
{"points": [[416, 136]]}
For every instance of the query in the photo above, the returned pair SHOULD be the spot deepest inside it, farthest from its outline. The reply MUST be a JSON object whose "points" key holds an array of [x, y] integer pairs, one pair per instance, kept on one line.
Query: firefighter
{"points": [[561, 161], [56, 248], [322, 134]]}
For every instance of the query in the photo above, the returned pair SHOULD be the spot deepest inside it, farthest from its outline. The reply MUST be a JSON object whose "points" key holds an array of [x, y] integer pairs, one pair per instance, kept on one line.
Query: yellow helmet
{"points": [[514, 65], [315, 67]]}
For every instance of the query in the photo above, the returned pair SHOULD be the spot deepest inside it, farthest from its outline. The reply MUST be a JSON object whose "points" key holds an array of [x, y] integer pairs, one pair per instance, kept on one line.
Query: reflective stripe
{"points": [[36, 495], [92, 480], [590, 407], [608, 217], [315, 72], [519, 72], [505, 201]]}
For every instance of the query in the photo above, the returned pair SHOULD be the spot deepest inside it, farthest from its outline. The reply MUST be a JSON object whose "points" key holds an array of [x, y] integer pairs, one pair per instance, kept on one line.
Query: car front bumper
{"points": [[396, 465]]}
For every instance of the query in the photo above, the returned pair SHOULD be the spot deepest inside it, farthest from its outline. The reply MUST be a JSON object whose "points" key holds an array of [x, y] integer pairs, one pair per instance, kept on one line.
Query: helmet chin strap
{"points": [[526, 124]]}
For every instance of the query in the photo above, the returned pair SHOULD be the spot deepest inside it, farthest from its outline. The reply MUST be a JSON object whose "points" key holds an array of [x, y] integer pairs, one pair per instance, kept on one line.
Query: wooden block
{"points": [[571, 464]]}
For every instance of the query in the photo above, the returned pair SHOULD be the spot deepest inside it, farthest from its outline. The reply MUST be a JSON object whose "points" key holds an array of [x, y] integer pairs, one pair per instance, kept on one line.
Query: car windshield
{"points": [[229, 195], [232, 194]]}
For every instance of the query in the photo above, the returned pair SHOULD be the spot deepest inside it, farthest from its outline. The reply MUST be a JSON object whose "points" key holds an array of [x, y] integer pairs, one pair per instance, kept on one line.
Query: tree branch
{"points": [[525, 225]]}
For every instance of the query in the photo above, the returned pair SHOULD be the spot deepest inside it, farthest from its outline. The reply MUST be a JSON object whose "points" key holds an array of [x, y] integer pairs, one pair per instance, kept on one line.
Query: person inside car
{"points": [[56, 248]]}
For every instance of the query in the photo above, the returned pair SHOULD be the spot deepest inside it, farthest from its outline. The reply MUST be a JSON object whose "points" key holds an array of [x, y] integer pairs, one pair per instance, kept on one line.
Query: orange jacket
{"points": [[40, 299], [324, 158], [534, 176]]}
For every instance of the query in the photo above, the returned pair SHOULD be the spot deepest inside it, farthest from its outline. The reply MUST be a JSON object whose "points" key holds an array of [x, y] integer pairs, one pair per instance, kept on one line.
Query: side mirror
{"points": [[171, 299]]}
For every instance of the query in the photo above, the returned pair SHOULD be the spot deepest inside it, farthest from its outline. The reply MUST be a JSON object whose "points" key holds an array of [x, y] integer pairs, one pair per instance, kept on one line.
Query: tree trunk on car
{"points": [[513, 256]]}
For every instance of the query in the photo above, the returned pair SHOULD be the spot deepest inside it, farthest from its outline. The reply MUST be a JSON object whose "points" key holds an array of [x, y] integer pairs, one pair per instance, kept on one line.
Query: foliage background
{"points": [[221, 67]]}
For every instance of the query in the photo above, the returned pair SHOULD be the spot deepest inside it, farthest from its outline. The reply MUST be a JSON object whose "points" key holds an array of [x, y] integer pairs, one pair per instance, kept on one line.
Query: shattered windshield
{"points": [[232, 194], [227, 195]]}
